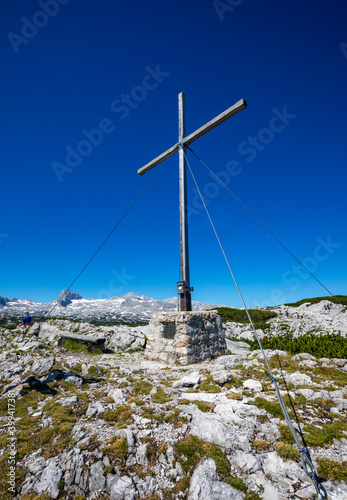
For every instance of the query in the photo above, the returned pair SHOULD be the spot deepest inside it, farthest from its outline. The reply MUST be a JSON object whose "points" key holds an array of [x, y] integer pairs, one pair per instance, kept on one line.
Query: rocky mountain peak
{"points": [[67, 296]]}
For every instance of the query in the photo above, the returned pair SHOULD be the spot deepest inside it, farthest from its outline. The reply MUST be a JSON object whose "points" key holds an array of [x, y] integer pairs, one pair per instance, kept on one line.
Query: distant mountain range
{"points": [[128, 308]]}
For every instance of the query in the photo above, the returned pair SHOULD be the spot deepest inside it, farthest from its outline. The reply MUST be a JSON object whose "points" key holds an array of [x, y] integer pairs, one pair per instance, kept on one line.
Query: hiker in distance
{"points": [[27, 321]]}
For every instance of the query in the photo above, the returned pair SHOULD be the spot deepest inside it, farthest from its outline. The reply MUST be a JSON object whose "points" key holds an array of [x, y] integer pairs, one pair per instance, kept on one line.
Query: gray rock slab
{"points": [[209, 427], [41, 366], [253, 385], [74, 379], [235, 347], [303, 355], [123, 489], [117, 395], [97, 480], [298, 378], [246, 462], [67, 401], [231, 360], [221, 376], [189, 380], [121, 340], [48, 483], [204, 484]]}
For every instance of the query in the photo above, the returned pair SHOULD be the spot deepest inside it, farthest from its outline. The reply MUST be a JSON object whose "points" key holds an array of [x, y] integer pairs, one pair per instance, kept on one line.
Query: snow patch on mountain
{"points": [[129, 308]]}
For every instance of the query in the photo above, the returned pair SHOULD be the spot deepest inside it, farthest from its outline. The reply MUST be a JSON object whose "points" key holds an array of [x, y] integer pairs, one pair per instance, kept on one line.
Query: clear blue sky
{"points": [[67, 70]]}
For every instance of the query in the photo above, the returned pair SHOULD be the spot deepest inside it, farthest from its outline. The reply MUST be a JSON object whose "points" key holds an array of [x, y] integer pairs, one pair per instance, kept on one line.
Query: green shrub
{"points": [[326, 345], [341, 298], [258, 316]]}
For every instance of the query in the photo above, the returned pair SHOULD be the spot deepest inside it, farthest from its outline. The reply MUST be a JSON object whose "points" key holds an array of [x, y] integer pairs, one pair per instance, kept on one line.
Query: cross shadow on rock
{"points": [[39, 386]]}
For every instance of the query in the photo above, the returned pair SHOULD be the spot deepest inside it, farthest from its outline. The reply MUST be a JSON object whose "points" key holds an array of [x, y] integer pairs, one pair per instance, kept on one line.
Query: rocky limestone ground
{"points": [[118, 426]]}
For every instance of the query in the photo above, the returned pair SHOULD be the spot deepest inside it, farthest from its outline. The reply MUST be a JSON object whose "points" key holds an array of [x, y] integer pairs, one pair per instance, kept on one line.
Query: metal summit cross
{"points": [[183, 286]]}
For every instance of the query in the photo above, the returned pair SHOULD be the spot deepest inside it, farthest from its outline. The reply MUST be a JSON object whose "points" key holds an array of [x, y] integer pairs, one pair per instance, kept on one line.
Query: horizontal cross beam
{"points": [[233, 110], [159, 159]]}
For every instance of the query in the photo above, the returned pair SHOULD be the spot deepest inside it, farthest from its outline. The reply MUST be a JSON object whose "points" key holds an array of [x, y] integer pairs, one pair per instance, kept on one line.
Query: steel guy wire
{"points": [[108, 236], [264, 226]]}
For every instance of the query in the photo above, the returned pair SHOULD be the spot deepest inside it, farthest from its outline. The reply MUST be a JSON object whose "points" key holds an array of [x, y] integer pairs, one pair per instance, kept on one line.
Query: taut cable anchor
{"points": [[306, 461]]}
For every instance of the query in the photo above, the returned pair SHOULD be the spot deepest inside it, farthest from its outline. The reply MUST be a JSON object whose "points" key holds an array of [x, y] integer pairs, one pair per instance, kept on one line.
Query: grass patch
{"points": [[328, 469], [34, 496], [171, 494], [235, 395], [74, 346], [194, 449], [52, 440], [209, 386], [325, 434], [203, 406], [142, 387], [287, 451], [121, 415], [149, 413], [153, 450], [117, 450], [285, 434], [160, 396], [174, 418], [273, 408], [260, 444], [236, 483]]}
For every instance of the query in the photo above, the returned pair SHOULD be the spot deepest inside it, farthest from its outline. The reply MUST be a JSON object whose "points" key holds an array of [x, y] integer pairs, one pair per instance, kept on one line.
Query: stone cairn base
{"points": [[185, 337]]}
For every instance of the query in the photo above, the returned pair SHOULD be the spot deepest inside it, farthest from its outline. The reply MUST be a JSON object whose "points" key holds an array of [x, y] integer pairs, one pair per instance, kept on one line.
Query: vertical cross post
{"points": [[185, 297], [183, 286]]}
